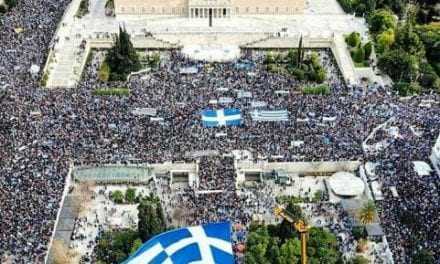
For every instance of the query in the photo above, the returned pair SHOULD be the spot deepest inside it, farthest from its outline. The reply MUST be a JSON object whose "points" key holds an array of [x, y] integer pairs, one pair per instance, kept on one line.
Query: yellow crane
{"points": [[300, 226]]}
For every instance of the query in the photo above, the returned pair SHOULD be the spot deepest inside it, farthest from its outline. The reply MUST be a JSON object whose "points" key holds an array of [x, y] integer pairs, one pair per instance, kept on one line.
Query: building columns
{"points": [[203, 12]]}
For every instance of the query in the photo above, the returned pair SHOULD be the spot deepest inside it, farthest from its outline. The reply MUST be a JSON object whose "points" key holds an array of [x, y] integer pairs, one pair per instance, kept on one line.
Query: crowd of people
{"points": [[42, 131]]}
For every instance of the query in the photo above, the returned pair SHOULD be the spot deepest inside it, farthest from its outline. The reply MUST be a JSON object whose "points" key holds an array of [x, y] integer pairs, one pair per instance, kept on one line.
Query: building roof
{"points": [[346, 184], [422, 168], [374, 230]]}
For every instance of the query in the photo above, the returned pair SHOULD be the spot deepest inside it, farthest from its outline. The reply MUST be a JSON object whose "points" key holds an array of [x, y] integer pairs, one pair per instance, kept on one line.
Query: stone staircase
{"points": [[343, 59], [65, 72]]}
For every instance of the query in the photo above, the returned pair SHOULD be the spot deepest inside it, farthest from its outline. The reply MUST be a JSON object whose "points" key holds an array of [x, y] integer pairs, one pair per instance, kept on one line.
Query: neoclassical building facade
{"points": [[202, 8]]}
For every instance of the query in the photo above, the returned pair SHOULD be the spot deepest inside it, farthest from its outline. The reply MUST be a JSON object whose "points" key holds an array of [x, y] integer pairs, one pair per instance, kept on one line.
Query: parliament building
{"points": [[202, 8]]}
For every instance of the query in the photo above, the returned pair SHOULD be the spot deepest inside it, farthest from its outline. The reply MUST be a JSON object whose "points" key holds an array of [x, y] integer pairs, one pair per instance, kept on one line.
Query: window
{"points": [[224, 11], [247, 9], [276, 10], [122, 9], [237, 10], [267, 10], [256, 10]]}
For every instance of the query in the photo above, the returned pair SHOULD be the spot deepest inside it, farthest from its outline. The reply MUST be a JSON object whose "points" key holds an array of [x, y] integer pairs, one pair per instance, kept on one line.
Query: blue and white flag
{"points": [[221, 117], [207, 244], [270, 115]]}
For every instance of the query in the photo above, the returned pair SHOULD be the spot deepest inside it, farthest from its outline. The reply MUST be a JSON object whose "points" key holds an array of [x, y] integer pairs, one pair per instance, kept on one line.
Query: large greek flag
{"points": [[221, 117], [207, 244]]}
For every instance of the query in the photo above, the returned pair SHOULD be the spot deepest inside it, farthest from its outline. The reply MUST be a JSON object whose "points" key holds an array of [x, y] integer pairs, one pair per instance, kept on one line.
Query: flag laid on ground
{"points": [[221, 117], [270, 115], [207, 244]]}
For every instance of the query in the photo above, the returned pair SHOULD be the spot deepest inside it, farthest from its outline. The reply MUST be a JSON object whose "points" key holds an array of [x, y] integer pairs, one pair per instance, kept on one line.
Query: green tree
{"points": [[399, 65], [300, 52], [292, 58], [381, 20], [117, 197], [423, 257], [430, 36], [136, 245], [358, 232], [408, 40], [368, 48], [385, 40], [115, 246], [324, 245], [406, 89], [130, 195], [270, 59], [320, 75], [286, 229], [151, 218], [104, 72], [290, 252], [367, 213], [318, 196], [122, 57], [359, 54], [354, 39], [257, 246]]}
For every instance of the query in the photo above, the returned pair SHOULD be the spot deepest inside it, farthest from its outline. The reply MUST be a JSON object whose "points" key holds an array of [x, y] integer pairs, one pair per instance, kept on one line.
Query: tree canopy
{"points": [[151, 218], [122, 58], [264, 247]]}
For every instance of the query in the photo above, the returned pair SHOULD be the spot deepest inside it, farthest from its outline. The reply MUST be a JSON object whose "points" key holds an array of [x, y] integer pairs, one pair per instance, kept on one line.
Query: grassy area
{"points": [[44, 78], [322, 89], [112, 92], [361, 64]]}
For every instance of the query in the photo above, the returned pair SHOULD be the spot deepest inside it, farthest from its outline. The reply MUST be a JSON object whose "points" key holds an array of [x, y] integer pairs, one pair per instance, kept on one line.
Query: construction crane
{"points": [[300, 226]]}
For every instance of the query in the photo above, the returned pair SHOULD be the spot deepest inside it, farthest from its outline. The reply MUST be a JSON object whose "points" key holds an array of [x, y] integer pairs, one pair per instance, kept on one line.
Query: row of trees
{"points": [[121, 59], [360, 53], [427, 10], [129, 197], [402, 53], [297, 64], [279, 244], [407, 51], [116, 246]]}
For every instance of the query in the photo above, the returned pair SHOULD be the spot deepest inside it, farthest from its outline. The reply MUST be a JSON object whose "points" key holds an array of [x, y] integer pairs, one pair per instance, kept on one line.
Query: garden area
{"points": [[404, 38], [111, 92], [115, 246], [360, 53], [296, 63]]}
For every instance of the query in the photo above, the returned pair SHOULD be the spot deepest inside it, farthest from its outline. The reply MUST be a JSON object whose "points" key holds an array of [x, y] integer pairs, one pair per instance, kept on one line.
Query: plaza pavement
{"points": [[321, 19]]}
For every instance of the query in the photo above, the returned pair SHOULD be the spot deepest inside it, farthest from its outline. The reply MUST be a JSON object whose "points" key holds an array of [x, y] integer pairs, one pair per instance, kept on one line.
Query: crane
{"points": [[300, 226]]}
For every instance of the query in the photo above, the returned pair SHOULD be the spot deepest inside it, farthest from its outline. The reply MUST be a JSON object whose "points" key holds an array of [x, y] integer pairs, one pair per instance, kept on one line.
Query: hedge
{"points": [[112, 92], [322, 89]]}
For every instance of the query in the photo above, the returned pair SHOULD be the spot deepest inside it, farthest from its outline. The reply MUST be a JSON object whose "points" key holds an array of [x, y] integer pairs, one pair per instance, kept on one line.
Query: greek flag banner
{"points": [[221, 117], [207, 244], [270, 115]]}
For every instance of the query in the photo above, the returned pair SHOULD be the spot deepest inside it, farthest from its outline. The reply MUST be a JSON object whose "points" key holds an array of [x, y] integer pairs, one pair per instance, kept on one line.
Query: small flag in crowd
{"points": [[221, 117], [206, 244]]}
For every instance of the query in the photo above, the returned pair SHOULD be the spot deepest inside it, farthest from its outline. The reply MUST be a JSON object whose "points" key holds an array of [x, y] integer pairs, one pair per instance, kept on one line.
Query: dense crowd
{"points": [[42, 131]]}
